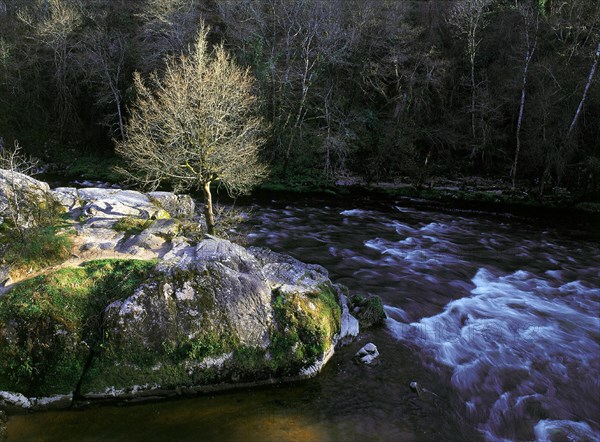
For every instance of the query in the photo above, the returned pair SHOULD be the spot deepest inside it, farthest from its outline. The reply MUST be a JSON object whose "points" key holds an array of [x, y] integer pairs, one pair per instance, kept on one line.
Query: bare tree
{"points": [[468, 18], [19, 206], [105, 61], [531, 21], [585, 90], [195, 126], [53, 24], [168, 28]]}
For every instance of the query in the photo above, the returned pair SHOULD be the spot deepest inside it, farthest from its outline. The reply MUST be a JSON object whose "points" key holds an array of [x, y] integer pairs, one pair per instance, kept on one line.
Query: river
{"points": [[495, 317]]}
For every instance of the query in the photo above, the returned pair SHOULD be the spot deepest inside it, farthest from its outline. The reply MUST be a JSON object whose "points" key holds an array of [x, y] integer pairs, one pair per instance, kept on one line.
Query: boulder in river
{"points": [[368, 309], [163, 315], [210, 314]]}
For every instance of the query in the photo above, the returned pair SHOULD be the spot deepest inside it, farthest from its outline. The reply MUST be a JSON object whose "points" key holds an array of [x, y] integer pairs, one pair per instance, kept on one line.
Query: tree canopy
{"points": [[195, 125]]}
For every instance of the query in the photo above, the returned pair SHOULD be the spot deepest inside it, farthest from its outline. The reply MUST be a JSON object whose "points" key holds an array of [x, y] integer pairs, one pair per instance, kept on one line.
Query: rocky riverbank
{"points": [[143, 309]]}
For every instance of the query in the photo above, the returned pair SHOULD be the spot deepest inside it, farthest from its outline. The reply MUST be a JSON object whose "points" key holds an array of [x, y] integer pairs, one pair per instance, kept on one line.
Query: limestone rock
{"points": [[350, 327], [368, 354], [178, 206], [23, 189], [289, 274], [67, 197]]}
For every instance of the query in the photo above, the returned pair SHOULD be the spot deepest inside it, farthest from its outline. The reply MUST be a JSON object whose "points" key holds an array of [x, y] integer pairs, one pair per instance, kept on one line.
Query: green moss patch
{"points": [[305, 327], [168, 356], [131, 225], [368, 310], [51, 323]]}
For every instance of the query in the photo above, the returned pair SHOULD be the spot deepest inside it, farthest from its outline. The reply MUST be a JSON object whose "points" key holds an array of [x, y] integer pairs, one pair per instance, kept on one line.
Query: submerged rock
{"points": [[368, 310]]}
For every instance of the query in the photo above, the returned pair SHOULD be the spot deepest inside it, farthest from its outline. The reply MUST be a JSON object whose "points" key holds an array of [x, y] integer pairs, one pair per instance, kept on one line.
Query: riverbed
{"points": [[495, 317]]}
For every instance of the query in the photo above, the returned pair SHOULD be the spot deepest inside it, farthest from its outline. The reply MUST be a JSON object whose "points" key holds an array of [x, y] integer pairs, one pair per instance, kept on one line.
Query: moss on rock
{"points": [[305, 327], [123, 327], [368, 310], [131, 225], [51, 323]]}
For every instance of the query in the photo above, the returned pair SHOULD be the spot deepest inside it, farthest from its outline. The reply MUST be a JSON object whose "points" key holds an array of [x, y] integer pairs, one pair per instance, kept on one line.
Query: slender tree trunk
{"points": [[120, 114], [208, 209], [585, 90], [473, 89], [528, 56]]}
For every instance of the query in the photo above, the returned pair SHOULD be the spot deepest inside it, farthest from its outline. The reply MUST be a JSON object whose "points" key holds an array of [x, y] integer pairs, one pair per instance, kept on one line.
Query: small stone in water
{"points": [[368, 354]]}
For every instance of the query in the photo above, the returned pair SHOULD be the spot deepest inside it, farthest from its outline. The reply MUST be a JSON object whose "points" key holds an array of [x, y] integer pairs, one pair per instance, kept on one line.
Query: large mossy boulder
{"points": [[206, 316]]}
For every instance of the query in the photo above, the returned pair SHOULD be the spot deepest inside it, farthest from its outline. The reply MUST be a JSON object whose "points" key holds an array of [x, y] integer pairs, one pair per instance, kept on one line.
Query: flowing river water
{"points": [[496, 318]]}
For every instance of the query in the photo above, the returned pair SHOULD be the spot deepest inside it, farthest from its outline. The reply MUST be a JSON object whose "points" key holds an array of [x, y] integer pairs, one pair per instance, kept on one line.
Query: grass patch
{"points": [[36, 248], [51, 322]]}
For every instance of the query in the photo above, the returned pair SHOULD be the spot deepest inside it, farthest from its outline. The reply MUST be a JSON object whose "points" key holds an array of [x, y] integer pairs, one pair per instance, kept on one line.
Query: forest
{"points": [[383, 90]]}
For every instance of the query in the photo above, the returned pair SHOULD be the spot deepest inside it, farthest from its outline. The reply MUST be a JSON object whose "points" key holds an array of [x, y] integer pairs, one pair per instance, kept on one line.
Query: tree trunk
{"points": [[585, 91], [473, 91], [208, 209], [530, 50]]}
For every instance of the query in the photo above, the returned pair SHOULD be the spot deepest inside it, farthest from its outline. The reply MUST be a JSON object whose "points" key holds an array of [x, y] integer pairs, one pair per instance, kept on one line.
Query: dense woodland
{"points": [[381, 89]]}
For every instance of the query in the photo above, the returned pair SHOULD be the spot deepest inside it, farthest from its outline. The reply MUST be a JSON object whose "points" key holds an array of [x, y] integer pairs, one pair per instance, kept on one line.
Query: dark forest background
{"points": [[378, 89]]}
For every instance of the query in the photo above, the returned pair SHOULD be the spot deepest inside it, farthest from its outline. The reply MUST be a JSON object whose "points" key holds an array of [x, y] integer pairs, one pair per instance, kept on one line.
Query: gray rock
{"points": [[27, 191], [221, 281], [5, 278], [368, 354], [288, 274], [349, 327], [67, 197], [156, 238], [10, 400], [178, 206]]}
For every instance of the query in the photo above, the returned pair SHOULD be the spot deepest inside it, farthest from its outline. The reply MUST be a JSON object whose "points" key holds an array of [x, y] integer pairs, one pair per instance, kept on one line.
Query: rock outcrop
{"points": [[208, 314], [18, 193], [166, 316], [125, 221]]}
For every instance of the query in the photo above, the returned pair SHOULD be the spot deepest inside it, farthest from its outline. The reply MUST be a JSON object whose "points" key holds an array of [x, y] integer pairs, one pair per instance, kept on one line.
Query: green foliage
{"points": [[90, 167], [59, 318], [207, 344], [250, 361]]}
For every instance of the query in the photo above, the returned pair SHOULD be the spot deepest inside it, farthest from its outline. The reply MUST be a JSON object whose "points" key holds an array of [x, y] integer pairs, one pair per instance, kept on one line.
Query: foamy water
{"points": [[507, 313]]}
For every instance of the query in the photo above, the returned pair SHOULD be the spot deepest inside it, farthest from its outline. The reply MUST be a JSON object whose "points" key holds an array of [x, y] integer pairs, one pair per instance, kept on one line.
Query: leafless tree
{"points": [[20, 206], [53, 23], [531, 22], [195, 126], [104, 61], [468, 18]]}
